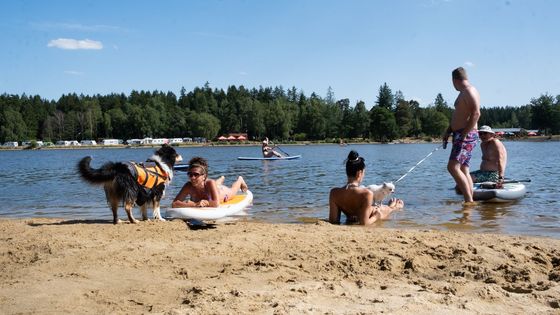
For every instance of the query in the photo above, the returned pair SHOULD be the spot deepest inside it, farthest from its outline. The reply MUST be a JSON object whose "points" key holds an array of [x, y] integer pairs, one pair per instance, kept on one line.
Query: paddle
{"points": [[516, 181], [276, 146], [492, 185]]}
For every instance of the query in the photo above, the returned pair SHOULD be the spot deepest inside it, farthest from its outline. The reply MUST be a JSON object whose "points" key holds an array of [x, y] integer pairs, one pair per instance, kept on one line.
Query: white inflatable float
{"points": [[487, 192], [233, 206], [275, 158]]}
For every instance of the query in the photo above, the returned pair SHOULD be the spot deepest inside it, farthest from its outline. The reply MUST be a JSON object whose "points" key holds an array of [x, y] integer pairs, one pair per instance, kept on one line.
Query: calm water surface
{"points": [[44, 183]]}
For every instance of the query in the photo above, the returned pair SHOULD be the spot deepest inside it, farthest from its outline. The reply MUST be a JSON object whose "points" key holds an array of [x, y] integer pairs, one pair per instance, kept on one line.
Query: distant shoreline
{"points": [[553, 138]]}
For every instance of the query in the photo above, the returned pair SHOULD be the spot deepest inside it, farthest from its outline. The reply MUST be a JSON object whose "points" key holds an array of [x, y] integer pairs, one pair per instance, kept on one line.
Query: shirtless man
{"points": [[464, 123], [494, 158]]}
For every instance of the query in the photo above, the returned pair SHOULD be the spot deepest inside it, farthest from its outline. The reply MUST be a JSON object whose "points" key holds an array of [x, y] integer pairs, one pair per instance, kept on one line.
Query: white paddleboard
{"points": [[291, 157], [235, 205]]}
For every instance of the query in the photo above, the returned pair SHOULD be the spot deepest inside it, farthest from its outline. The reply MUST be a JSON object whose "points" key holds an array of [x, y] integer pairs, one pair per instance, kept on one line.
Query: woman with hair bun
{"points": [[354, 200]]}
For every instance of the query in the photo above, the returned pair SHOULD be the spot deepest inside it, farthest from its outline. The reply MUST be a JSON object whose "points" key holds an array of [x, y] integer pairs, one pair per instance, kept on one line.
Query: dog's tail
{"points": [[106, 173]]}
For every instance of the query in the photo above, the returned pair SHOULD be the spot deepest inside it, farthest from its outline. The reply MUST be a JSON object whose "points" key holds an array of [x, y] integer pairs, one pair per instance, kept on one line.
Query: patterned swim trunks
{"points": [[462, 148], [485, 176]]}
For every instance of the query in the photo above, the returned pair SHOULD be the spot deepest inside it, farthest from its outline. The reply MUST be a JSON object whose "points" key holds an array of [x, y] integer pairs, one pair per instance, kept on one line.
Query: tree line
{"points": [[274, 112]]}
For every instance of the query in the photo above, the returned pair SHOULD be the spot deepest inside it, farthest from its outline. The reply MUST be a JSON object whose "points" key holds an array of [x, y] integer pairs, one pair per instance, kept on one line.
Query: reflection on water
{"points": [[44, 183]]}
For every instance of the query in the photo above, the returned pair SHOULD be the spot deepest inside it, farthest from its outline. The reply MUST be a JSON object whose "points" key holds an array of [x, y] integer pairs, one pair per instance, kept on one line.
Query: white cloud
{"points": [[68, 43], [469, 64], [243, 73], [73, 72]]}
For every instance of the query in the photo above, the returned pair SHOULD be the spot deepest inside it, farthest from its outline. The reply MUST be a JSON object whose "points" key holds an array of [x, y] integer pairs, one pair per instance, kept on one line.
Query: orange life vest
{"points": [[149, 175]]}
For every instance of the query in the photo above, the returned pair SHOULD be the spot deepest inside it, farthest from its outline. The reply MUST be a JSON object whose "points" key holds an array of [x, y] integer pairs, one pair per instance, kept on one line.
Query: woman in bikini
{"points": [[205, 192], [356, 201]]}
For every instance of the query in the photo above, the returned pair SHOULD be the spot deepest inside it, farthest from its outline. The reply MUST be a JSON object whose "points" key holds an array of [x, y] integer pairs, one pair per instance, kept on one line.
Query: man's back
{"points": [[467, 103]]}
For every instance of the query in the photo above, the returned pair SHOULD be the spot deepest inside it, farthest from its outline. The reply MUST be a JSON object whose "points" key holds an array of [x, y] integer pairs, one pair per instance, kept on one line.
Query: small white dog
{"points": [[380, 192]]}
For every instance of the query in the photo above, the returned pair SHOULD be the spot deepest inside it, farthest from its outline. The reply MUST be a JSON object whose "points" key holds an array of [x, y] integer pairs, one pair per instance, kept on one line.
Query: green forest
{"points": [[275, 112]]}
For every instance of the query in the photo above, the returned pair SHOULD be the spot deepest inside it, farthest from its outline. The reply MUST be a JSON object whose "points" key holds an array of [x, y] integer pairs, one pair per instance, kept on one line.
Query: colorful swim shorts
{"points": [[485, 176], [462, 147]]}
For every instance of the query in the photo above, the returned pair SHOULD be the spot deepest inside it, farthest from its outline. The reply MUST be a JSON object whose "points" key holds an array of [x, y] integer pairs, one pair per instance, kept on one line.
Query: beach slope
{"points": [[54, 266]]}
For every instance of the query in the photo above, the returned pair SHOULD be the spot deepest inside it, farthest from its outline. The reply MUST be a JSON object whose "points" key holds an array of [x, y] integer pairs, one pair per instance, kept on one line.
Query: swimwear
{"points": [[485, 176], [462, 148]]}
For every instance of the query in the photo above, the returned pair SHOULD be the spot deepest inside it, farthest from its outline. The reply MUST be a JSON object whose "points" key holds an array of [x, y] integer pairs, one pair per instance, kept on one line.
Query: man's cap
{"points": [[486, 129]]}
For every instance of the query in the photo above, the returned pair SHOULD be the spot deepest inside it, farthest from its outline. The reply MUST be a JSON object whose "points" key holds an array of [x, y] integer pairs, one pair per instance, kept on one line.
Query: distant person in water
{"points": [[494, 158], [269, 151], [356, 201], [205, 192], [462, 128]]}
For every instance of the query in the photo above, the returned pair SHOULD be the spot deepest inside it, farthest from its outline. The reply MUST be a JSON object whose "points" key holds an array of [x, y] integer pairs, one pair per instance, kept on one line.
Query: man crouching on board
{"points": [[462, 128]]}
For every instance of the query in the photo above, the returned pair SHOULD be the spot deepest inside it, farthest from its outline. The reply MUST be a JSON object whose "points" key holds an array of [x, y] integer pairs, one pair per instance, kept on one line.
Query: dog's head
{"points": [[389, 187], [168, 155]]}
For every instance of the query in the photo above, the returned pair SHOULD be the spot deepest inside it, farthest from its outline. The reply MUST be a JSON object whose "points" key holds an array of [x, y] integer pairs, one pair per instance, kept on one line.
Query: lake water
{"points": [[44, 183]]}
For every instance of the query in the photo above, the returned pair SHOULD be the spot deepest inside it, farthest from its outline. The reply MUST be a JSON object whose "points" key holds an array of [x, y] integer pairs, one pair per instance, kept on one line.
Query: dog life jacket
{"points": [[148, 174]]}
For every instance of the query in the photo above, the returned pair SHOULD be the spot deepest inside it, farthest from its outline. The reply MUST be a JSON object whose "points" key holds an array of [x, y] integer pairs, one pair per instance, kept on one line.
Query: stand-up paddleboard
{"points": [[234, 205], [181, 167], [291, 157], [487, 192]]}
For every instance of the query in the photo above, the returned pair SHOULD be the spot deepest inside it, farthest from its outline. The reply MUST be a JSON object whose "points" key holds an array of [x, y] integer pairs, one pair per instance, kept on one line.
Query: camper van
{"points": [[160, 141], [110, 142], [88, 142], [134, 141], [11, 144]]}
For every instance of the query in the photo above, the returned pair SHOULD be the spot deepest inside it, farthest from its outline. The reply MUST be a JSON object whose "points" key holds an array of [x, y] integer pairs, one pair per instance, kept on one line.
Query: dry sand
{"points": [[54, 266]]}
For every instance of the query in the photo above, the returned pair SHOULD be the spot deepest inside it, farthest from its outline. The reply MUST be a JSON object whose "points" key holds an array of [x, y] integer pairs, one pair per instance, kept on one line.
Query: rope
{"points": [[422, 160]]}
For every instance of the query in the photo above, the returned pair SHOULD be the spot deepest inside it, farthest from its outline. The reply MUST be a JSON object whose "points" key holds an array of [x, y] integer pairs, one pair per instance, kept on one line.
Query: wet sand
{"points": [[55, 266]]}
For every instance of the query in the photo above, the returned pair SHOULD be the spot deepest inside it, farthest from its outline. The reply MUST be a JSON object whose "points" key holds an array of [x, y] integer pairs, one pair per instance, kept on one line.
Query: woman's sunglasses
{"points": [[193, 174]]}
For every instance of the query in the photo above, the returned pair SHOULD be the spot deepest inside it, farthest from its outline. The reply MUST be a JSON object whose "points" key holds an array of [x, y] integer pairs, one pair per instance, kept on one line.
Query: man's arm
{"points": [[502, 159]]}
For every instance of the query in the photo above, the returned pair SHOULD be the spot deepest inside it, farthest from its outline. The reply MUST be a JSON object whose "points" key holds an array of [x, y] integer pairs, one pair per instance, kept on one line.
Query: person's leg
{"points": [[465, 170], [382, 212], [461, 179], [226, 194]]}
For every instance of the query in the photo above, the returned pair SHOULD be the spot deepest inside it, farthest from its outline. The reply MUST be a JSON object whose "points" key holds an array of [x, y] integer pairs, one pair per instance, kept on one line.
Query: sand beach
{"points": [[52, 266]]}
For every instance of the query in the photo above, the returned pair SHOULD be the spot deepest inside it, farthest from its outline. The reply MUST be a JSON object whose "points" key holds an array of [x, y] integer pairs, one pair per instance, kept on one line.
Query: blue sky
{"points": [[510, 48]]}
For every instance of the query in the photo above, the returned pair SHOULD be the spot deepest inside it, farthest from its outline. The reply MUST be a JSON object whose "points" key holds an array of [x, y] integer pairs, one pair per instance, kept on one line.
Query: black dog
{"points": [[130, 182]]}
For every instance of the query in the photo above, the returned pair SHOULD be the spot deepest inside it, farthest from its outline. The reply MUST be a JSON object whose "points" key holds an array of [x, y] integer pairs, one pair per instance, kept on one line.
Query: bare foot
{"points": [[220, 180], [468, 204], [243, 186], [396, 203]]}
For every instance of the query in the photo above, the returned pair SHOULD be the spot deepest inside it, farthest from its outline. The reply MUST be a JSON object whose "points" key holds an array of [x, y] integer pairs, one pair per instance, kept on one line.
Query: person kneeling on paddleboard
{"points": [[494, 158], [205, 192], [269, 151]]}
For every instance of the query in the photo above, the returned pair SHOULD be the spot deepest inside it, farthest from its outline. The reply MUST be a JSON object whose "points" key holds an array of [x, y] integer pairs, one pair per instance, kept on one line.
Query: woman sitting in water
{"points": [[354, 200], [205, 192]]}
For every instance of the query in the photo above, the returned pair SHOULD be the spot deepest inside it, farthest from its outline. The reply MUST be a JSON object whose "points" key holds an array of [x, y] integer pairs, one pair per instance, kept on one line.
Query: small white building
{"points": [[187, 139], [175, 140]]}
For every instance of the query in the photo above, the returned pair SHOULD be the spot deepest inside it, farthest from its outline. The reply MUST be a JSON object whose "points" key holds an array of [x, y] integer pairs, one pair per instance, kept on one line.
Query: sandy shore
{"points": [[54, 266]]}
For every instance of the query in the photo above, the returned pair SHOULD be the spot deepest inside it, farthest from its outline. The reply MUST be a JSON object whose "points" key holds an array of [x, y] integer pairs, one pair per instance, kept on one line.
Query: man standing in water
{"points": [[462, 128]]}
